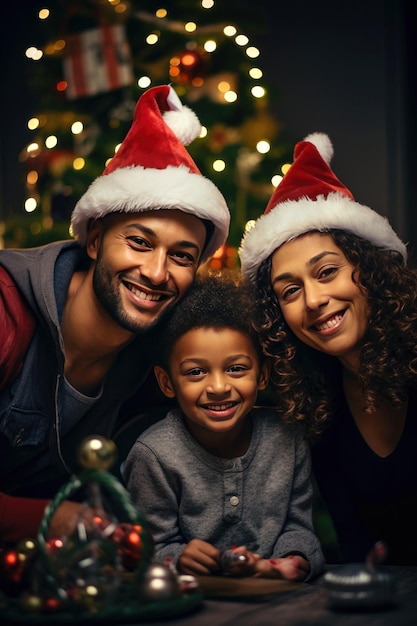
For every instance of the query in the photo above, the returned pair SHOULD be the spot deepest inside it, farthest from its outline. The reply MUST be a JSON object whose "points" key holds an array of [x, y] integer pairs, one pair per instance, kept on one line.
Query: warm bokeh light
{"points": [[219, 165], [242, 40], [32, 177], [51, 141], [78, 163], [258, 91], [77, 128], [275, 180], [230, 96], [34, 53], [263, 146], [255, 73], [252, 52], [30, 205], [230, 31], [152, 39], [210, 45], [33, 123], [249, 225], [144, 82]]}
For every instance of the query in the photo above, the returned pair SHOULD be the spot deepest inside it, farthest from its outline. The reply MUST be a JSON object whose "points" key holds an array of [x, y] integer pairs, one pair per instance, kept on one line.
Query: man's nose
{"points": [[155, 267]]}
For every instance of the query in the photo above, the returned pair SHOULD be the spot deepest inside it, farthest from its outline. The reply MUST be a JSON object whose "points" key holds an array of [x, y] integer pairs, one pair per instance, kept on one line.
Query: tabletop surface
{"points": [[305, 604], [257, 602]]}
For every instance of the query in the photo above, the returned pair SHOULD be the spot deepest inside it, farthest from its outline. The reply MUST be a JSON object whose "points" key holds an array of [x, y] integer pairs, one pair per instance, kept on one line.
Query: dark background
{"points": [[344, 68]]}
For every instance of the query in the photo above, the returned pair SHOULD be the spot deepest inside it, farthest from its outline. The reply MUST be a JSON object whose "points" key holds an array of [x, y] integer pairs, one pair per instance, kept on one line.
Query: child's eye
{"points": [[196, 371], [236, 369]]}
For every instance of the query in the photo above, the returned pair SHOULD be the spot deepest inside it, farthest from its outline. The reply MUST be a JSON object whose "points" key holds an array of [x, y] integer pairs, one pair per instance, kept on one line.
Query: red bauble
{"points": [[189, 67]]}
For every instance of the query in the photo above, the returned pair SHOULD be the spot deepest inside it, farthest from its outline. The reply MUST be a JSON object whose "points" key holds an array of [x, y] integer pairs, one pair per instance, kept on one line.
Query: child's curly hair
{"points": [[215, 300], [304, 379]]}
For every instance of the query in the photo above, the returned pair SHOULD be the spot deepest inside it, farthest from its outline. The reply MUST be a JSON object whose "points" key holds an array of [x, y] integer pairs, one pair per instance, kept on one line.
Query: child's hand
{"points": [[239, 567], [292, 567], [198, 558]]}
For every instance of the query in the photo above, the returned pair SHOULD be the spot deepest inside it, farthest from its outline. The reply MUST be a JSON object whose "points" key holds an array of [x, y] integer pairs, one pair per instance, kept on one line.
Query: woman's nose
{"points": [[315, 296]]}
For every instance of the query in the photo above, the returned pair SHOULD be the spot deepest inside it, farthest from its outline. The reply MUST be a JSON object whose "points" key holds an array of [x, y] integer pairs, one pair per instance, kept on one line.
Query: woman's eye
{"points": [[328, 271], [288, 293]]}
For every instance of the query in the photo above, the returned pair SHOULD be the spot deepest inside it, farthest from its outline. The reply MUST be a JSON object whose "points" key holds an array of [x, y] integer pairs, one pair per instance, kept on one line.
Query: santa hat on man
{"points": [[152, 170], [310, 197]]}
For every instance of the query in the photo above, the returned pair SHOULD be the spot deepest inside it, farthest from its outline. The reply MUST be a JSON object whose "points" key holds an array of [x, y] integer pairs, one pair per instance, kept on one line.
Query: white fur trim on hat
{"points": [[292, 218], [137, 189]]}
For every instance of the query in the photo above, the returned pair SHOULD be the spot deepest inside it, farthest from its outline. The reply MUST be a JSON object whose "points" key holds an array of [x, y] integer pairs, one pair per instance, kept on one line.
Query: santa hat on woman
{"points": [[310, 197], [152, 170]]}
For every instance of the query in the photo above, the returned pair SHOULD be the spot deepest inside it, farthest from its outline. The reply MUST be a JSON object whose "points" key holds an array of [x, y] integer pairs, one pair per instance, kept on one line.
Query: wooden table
{"points": [[303, 604], [281, 604]]}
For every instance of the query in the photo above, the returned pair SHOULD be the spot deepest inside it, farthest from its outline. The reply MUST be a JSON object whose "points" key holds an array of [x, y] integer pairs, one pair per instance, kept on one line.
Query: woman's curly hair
{"points": [[304, 380]]}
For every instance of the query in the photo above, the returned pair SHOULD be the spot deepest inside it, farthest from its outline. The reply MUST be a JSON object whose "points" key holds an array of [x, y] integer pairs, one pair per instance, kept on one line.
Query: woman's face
{"points": [[319, 300]]}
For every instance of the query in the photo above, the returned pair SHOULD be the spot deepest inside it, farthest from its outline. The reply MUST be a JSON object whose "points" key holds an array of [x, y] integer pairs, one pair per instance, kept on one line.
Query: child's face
{"points": [[215, 376]]}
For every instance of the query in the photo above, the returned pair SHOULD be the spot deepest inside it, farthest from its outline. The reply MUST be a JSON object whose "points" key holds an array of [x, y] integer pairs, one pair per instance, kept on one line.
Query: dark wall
{"points": [[349, 69]]}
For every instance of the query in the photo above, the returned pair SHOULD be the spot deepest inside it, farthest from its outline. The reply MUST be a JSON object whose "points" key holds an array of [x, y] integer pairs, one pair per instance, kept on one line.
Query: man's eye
{"points": [[139, 241], [184, 258]]}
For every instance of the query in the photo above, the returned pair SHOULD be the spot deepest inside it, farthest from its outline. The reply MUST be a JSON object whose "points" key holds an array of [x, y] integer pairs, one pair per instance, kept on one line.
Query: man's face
{"points": [[144, 263]]}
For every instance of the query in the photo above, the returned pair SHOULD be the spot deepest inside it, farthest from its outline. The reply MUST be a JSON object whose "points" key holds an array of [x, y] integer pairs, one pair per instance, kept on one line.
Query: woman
{"points": [[338, 313]]}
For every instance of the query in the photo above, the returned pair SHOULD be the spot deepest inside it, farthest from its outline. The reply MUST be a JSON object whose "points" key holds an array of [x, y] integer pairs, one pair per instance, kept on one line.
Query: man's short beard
{"points": [[109, 297]]}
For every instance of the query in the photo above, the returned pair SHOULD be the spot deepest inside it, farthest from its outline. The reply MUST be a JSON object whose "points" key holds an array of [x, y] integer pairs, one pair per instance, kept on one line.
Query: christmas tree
{"points": [[88, 63]]}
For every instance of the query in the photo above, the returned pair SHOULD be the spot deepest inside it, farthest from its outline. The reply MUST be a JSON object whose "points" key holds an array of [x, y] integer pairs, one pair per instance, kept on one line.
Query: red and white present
{"points": [[97, 61]]}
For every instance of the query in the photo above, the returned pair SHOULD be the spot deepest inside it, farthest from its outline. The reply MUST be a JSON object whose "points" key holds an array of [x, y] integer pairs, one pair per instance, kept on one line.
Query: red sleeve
{"points": [[19, 518], [16, 329]]}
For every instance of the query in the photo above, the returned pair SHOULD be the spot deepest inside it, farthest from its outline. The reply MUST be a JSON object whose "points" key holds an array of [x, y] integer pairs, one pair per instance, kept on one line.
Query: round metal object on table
{"points": [[358, 586]]}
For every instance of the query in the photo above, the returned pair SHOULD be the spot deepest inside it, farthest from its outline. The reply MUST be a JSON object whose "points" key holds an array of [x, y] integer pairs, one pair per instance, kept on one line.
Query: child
{"points": [[216, 472]]}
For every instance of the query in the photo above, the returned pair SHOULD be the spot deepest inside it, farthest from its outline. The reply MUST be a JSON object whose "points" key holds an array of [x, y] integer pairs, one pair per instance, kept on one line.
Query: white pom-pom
{"points": [[323, 145], [184, 123]]}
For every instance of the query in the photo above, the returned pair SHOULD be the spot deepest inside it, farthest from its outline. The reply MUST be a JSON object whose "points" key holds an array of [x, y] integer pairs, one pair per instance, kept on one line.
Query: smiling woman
{"points": [[337, 311]]}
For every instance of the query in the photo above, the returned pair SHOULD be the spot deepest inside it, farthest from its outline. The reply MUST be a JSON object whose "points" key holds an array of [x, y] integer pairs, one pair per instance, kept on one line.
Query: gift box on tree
{"points": [[96, 61]]}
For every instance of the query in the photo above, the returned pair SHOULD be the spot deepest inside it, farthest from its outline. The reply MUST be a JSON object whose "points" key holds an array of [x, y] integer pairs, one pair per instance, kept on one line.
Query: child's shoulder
{"points": [[162, 430], [272, 420]]}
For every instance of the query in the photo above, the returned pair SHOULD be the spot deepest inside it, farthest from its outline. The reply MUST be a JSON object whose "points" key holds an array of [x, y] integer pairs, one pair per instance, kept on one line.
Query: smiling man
{"points": [[78, 318]]}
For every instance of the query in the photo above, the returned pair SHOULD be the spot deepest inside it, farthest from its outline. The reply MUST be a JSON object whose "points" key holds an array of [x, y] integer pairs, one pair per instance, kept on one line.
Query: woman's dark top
{"points": [[369, 498]]}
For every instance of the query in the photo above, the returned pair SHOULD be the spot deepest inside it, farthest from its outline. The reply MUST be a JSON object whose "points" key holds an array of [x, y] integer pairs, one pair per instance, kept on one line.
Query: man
{"points": [[78, 317]]}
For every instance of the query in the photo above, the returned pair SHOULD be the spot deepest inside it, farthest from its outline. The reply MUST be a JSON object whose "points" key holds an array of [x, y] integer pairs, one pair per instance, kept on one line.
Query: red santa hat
{"points": [[152, 170], [310, 197]]}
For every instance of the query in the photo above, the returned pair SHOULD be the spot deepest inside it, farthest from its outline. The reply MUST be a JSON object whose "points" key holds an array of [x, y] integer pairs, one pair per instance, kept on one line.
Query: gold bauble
{"points": [[97, 452]]}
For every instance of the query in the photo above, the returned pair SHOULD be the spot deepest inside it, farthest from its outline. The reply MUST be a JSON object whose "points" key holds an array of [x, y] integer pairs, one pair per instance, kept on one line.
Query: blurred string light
{"points": [[209, 37]]}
